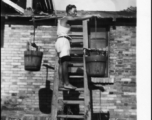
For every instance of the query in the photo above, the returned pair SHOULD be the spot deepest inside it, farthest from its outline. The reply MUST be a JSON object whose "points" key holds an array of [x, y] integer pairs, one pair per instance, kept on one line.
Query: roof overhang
{"points": [[14, 5]]}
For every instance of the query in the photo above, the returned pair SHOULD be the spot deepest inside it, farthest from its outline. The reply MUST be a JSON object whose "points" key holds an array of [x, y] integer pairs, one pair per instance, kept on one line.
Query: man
{"points": [[62, 44]]}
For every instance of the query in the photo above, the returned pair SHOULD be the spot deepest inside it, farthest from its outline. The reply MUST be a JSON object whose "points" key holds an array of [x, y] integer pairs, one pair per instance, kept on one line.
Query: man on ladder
{"points": [[62, 44]]}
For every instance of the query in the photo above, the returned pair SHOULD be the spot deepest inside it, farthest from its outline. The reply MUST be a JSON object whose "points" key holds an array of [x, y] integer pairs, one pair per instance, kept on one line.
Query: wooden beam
{"points": [[87, 106], [54, 7], [2, 31], [15, 6], [54, 105], [87, 103], [85, 34], [29, 3]]}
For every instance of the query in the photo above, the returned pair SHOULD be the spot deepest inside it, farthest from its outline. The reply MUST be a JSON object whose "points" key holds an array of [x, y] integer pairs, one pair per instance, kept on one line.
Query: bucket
{"points": [[32, 60], [96, 65]]}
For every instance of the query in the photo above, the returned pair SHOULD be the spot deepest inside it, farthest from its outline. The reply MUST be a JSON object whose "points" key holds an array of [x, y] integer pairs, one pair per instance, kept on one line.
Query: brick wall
{"points": [[16, 83], [119, 99], [21, 87]]}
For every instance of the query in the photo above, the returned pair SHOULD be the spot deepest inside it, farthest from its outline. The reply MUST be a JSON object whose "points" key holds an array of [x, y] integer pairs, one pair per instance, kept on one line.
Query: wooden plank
{"points": [[53, 4], [75, 70], [78, 59], [76, 26], [78, 51], [72, 64], [108, 60], [71, 116], [54, 105], [98, 35], [29, 3], [101, 29], [75, 73], [76, 76], [77, 44], [77, 39], [85, 34], [76, 33], [2, 31], [87, 110], [76, 36], [15, 6], [73, 102], [76, 54], [102, 80], [76, 29], [79, 89], [102, 39], [98, 44]]}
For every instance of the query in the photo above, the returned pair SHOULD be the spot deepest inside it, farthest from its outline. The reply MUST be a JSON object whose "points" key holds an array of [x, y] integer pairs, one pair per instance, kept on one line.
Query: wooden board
{"points": [[87, 110], [98, 35], [54, 105]]}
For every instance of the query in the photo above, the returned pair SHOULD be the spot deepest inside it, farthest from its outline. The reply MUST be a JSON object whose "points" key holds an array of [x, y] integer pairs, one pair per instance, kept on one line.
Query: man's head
{"points": [[71, 10]]}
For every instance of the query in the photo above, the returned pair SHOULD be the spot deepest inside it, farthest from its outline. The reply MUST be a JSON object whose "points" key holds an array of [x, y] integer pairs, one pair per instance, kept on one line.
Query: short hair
{"points": [[69, 7]]}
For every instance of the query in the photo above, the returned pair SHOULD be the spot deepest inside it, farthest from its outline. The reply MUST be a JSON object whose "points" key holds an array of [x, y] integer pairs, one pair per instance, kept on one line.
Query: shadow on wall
{"points": [[45, 98], [101, 116], [2, 32], [70, 108]]}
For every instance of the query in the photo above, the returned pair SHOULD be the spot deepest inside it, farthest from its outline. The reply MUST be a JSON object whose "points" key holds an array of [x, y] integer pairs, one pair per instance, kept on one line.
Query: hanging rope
{"points": [[95, 27], [33, 42], [34, 31], [96, 50]]}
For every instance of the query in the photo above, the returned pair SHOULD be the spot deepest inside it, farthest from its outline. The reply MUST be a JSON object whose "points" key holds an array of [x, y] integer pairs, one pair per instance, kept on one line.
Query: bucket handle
{"points": [[33, 43]]}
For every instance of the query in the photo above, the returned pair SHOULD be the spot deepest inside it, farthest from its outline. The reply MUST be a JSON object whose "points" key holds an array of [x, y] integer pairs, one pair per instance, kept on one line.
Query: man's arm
{"points": [[84, 17]]}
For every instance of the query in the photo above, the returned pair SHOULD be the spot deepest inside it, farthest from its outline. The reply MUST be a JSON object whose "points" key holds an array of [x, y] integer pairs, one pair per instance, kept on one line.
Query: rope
{"points": [[95, 27], [96, 50], [34, 31]]}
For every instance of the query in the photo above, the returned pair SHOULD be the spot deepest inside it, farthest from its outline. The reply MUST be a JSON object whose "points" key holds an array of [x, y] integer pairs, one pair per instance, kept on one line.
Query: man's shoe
{"points": [[62, 88], [69, 86]]}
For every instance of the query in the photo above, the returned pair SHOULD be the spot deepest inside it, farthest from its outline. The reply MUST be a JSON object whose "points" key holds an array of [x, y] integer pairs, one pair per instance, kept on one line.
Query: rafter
{"points": [[15, 6]]}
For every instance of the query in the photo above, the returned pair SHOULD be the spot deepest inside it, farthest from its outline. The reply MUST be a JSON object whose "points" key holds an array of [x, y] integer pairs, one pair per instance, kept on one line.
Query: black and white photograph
{"points": [[75, 60]]}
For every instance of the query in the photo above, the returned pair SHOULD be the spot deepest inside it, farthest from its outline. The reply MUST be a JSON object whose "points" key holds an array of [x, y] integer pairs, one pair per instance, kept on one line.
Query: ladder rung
{"points": [[75, 64], [76, 26], [76, 55], [71, 116], [77, 33], [76, 76], [77, 89], [78, 59], [77, 40], [75, 73], [75, 70], [77, 44], [73, 102], [78, 52], [76, 37], [77, 49]]}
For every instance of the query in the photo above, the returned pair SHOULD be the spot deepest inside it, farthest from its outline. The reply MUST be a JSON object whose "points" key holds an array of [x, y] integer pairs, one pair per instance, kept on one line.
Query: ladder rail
{"points": [[55, 97], [87, 105], [54, 105]]}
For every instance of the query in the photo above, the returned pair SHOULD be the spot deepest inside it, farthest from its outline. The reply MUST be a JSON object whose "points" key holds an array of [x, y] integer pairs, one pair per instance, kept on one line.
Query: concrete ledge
{"points": [[102, 80]]}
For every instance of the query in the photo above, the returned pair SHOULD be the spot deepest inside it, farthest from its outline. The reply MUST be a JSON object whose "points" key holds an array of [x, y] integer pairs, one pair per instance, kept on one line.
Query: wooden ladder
{"points": [[77, 76]]}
